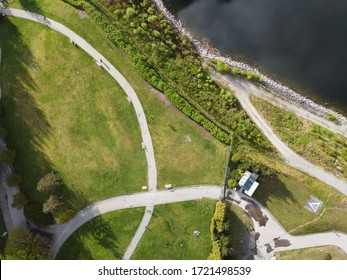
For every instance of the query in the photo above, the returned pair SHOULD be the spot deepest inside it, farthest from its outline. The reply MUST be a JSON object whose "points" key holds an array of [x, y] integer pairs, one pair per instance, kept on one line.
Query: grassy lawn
{"points": [[170, 234], [317, 144], [286, 194], [316, 253], [104, 238], [185, 154], [64, 113]]}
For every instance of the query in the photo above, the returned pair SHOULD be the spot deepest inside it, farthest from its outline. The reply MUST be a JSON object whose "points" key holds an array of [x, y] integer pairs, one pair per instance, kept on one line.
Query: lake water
{"points": [[300, 42]]}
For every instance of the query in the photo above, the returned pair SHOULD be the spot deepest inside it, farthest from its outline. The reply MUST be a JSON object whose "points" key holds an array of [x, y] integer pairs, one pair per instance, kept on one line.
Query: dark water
{"points": [[301, 42]]}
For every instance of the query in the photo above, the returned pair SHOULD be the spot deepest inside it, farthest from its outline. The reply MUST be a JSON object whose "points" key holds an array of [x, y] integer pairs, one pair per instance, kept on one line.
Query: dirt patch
{"points": [[281, 242], [168, 103], [255, 212], [82, 14]]}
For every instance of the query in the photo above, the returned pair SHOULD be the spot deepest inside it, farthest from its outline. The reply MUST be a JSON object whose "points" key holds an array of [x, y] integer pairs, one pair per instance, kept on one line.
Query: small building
{"points": [[248, 183]]}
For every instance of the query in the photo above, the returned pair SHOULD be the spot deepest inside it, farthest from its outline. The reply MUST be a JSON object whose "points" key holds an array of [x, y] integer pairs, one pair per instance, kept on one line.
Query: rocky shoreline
{"points": [[273, 86]]}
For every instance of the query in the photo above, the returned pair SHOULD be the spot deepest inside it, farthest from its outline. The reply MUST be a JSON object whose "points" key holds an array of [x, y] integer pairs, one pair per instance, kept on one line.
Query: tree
{"points": [[19, 200], [50, 182], [13, 179], [7, 156], [22, 244], [52, 203]]}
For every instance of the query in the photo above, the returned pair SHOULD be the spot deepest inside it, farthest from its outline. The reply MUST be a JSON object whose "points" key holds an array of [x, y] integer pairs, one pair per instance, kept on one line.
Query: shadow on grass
{"points": [[25, 121], [273, 188], [74, 249], [242, 241], [102, 233], [32, 6], [21, 116]]}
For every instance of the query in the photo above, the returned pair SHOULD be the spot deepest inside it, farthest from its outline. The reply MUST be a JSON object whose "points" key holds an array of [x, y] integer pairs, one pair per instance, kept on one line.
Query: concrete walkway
{"points": [[242, 90], [271, 235]]}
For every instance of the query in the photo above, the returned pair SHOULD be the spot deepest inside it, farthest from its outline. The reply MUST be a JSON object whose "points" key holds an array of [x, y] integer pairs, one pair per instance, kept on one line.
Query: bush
{"points": [[63, 215], [332, 117], [52, 204], [50, 182], [33, 212], [14, 179], [7, 156], [19, 200]]}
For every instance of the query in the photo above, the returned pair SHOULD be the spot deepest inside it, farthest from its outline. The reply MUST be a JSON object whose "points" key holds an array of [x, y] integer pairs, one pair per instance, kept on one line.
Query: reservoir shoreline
{"points": [[273, 86]]}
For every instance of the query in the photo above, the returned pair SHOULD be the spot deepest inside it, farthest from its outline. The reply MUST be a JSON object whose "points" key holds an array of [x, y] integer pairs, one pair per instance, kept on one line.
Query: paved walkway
{"points": [[242, 90], [271, 235]]}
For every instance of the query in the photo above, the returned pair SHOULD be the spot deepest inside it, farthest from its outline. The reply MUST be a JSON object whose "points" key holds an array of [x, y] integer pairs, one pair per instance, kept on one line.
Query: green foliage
{"points": [[52, 204], [318, 144], [332, 117], [220, 232], [33, 212], [7, 156], [14, 179], [63, 215], [216, 251], [19, 200], [169, 63], [22, 244], [222, 67], [3, 133], [50, 182]]}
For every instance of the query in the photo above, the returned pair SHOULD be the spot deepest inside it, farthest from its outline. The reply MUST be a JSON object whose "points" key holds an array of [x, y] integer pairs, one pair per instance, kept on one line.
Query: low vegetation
{"points": [[318, 144], [224, 68]]}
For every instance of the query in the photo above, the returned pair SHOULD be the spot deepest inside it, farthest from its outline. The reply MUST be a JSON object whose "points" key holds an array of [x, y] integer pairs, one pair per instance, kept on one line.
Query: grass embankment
{"points": [[317, 144], [316, 253], [104, 238], [170, 233], [64, 113], [185, 153], [2, 230]]}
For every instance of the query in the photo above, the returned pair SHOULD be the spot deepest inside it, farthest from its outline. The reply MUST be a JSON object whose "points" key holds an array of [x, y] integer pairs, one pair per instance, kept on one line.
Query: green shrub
{"points": [[33, 212], [7, 156], [19, 200], [63, 215], [3, 133], [14, 179], [332, 117]]}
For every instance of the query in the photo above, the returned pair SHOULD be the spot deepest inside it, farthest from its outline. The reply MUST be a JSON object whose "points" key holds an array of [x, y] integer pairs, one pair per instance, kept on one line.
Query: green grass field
{"points": [[285, 196], [170, 233], [64, 113], [185, 154], [104, 238], [316, 253]]}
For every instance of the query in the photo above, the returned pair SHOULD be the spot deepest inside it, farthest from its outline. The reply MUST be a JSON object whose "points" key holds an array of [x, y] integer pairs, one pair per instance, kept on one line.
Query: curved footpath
{"points": [[272, 237], [242, 91], [269, 232], [131, 94]]}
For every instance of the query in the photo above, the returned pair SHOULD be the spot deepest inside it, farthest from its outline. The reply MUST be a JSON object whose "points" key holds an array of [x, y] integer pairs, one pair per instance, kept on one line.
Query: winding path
{"points": [[242, 91], [269, 233]]}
